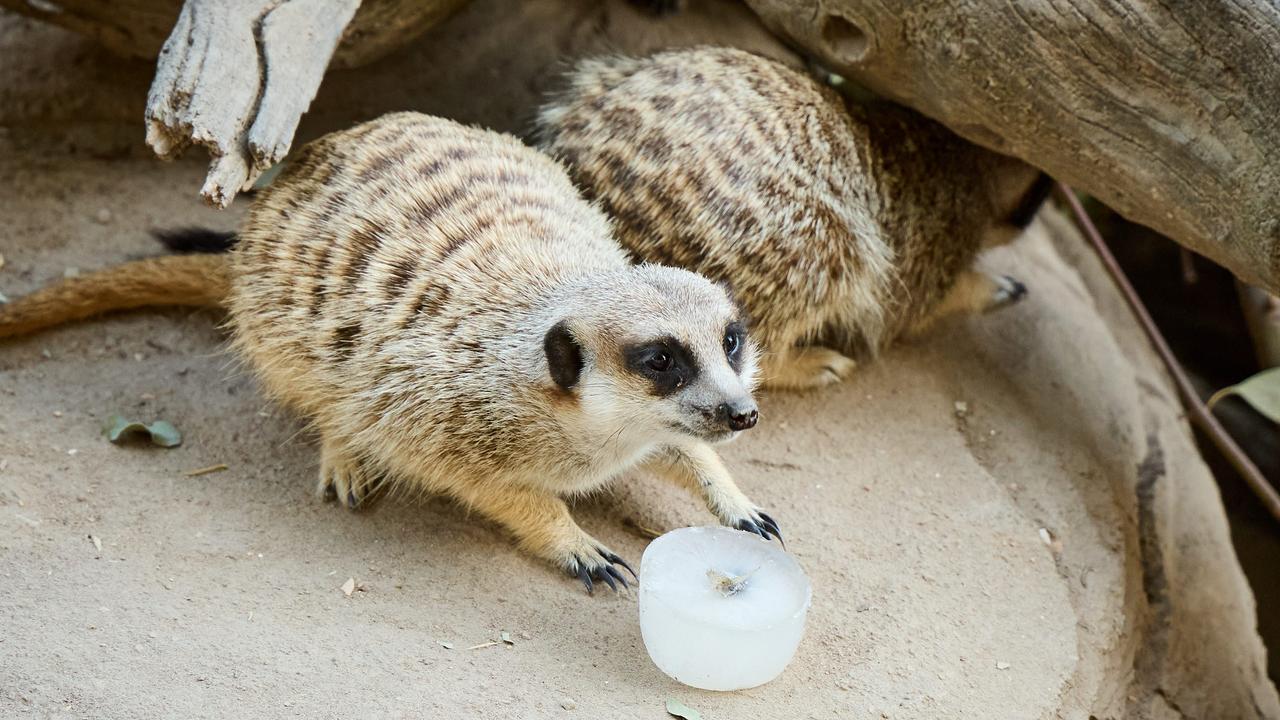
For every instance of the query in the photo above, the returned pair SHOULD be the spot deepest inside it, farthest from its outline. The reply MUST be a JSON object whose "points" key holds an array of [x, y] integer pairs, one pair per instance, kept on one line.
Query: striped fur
{"points": [[396, 283], [831, 224]]}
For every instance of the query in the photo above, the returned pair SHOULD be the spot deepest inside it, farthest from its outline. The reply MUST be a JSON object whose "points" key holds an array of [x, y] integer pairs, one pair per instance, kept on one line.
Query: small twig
{"points": [[1196, 411], [206, 470], [483, 645], [641, 529]]}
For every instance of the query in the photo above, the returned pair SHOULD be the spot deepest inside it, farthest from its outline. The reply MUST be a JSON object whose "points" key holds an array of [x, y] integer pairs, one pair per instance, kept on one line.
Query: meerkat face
{"points": [[669, 357]]}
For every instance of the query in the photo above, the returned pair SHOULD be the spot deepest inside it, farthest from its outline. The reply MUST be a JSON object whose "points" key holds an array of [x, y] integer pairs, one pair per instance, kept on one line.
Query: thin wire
{"points": [[1197, 412]]}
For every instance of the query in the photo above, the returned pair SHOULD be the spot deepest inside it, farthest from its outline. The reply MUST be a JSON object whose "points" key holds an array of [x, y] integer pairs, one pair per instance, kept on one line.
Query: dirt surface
{"points": [[1003, 519]]}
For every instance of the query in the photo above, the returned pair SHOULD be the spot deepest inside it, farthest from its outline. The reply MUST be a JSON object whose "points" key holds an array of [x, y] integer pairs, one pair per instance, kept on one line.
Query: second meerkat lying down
{"points": [[449, 312], [848, 226]]}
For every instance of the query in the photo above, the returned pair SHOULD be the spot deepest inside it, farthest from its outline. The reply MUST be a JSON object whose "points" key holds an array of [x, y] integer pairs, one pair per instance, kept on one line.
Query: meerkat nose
{"points": [[739, 415]]}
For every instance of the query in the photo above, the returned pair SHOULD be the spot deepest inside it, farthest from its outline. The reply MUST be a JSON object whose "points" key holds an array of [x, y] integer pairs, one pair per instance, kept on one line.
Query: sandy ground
{"points": [[222, 591], [922, 528]]}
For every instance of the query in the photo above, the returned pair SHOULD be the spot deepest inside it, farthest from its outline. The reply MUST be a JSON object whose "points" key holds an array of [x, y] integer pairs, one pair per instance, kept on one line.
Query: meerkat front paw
{"points": [[594, 563], [345, 480]]}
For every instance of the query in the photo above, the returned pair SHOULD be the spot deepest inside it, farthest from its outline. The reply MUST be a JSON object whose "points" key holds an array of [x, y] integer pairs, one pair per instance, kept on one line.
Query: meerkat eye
{"points": [[731, 343], [660, 361], [733, 339]]}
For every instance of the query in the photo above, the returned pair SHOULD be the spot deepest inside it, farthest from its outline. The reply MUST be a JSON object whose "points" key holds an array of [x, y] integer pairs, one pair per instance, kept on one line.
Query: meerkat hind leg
{"points": [[974, 292], [542, 526], [344, 478], [803, 368], [699, 469]]}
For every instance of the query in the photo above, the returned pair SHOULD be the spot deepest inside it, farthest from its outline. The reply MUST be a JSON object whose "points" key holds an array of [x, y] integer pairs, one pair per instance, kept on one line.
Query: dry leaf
{"points": [[1002, 666], [680, 710], [160, 432], [349, 587], [1261, 391], [97, 544], [445, 645], [506, 638]]}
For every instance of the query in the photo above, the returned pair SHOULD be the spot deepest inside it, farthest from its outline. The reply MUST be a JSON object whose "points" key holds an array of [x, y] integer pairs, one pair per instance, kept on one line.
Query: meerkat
{"points": [[448, 312], [837, 227]]}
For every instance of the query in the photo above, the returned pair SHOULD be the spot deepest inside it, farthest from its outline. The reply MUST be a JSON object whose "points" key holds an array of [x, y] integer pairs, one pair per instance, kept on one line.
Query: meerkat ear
{"points": [[564, 355]]}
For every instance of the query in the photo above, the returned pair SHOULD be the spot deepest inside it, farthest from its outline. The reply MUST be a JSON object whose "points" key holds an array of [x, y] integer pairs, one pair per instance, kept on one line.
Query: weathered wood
{"points": [[138, 28], [205, 90], [235, 76], [1166, 111]]}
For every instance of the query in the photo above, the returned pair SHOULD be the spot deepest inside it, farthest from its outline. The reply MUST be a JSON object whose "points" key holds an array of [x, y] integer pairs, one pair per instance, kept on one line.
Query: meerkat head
{"points": [[657, 351]]}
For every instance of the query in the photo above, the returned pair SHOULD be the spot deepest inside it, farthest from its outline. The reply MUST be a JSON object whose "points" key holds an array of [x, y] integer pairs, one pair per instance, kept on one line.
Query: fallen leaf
{"points": [[97, 544], [506, 638], [1261, 391], [206, 470], [349, 587], [445, 645], [160, 432], [1002, 666], [680, 710]]}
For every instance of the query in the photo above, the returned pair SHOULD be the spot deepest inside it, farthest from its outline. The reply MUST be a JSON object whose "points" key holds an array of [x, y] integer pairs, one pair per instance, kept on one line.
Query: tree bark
{"points": [[1165, 111]]}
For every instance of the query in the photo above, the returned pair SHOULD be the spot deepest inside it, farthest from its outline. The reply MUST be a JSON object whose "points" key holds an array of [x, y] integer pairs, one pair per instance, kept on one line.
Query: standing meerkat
{"points": [[448, 312], [837, 225]]}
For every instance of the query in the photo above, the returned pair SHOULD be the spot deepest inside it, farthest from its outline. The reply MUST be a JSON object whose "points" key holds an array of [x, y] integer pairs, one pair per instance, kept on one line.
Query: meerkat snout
{"points": [[739, 415]]}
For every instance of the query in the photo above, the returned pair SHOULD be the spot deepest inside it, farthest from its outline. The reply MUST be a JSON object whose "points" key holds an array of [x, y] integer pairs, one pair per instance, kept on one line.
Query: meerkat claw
{"points": [[762, 527], [614, 572], [585, 577], [613, 558], [589, 574], [772, 526], [608, 581]]}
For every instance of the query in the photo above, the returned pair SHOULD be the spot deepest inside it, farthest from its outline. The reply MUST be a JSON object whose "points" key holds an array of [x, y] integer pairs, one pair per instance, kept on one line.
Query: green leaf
{"points": [[160, 432], [680, 710], [1262, 391]]}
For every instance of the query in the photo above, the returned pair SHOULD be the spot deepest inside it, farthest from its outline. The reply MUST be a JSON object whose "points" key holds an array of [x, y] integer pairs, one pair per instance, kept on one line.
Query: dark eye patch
{"points": [[665, 362], [735, 336]]}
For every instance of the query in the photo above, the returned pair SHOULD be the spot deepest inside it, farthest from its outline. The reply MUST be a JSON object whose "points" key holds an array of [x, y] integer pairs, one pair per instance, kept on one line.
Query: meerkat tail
{"points": [[195, 280]]}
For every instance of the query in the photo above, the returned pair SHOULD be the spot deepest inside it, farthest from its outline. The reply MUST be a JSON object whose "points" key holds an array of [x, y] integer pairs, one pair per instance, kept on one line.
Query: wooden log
{"points": [[213, 88], [1165, 111], [138, 28], [235, 76]]}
